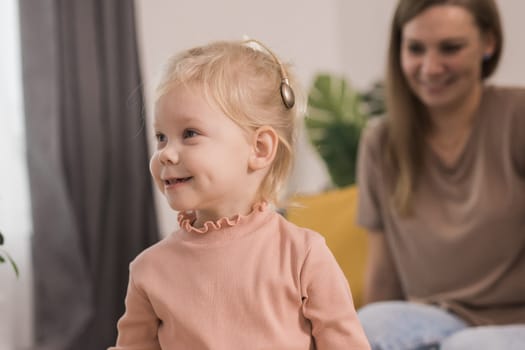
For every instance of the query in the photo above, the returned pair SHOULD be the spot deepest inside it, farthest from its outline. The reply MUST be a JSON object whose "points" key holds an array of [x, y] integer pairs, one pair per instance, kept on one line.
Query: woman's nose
{"points": [[432, 64]]}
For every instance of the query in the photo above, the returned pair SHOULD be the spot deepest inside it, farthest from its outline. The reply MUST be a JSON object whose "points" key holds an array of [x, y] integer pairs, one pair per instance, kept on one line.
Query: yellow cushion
{"points": [[332, 214]]}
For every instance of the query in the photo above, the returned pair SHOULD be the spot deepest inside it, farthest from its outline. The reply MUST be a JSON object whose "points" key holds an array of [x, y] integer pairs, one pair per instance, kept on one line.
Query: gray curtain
{"points": [[91, 193]]}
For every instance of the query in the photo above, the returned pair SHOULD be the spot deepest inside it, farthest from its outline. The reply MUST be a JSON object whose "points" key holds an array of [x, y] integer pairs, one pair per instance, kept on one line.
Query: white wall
{"points": [[339, 36], [364, 33], [511, 69]]}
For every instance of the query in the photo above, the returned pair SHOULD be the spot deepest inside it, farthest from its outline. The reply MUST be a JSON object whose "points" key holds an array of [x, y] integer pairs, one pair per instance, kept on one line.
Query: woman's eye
{"points": [[450, 48], [188, 133], [416, 49]]}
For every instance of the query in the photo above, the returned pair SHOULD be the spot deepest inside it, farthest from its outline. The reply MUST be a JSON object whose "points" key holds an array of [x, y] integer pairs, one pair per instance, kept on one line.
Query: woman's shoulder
{"points": [[508, 103], [506, 95], [374, 135]]}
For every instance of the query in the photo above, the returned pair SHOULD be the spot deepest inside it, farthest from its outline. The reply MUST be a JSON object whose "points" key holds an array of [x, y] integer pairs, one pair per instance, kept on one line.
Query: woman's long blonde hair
{"points": [[407, 120]]}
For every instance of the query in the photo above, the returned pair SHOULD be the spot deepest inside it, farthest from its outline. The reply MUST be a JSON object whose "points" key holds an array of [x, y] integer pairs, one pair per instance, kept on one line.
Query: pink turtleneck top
{"points": [[250, 282]]}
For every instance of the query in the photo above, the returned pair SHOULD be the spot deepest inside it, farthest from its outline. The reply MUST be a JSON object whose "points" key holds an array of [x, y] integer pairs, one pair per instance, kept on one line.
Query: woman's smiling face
{"points": [[442, 49]]}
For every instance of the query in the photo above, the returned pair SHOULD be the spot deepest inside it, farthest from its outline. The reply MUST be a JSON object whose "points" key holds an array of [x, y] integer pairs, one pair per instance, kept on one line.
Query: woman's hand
{"points": [[381, 279]]}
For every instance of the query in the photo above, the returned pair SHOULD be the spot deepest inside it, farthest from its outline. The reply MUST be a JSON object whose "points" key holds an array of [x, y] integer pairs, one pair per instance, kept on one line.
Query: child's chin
{"points": [[179, 206]]}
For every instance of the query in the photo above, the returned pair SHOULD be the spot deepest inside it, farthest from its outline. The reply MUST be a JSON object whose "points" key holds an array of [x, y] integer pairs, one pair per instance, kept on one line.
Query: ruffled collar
{"points": [[187, 218]]}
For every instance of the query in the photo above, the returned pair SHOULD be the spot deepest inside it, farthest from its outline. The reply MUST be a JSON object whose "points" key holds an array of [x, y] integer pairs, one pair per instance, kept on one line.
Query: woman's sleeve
{"points": [[518, 137], [138, 327], [327, 302], [368, 178]]}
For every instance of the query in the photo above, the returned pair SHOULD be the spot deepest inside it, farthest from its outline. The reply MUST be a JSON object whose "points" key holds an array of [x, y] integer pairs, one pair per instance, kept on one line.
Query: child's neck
{"points": [[203, 216]]}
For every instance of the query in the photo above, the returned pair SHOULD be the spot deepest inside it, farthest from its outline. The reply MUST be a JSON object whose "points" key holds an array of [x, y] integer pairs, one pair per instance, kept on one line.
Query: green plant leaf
{"points": [[5, 255], [335, 118]]}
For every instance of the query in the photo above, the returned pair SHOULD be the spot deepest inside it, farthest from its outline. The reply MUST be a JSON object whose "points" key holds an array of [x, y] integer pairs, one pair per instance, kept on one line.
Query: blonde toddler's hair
{"points": [[244, 81]]}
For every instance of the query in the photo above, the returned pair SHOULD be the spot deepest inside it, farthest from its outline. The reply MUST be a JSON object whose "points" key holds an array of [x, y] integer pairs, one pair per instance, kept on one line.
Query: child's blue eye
{"points": [[188, 133], [160, 137]]}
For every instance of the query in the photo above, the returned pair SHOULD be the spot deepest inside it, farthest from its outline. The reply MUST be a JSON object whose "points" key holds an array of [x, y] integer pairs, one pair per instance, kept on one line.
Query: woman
{"points": [[442, 187]]}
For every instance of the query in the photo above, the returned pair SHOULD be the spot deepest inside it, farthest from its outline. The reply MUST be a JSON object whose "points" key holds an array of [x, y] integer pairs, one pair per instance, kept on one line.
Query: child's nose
{"points": [[168, 155]]}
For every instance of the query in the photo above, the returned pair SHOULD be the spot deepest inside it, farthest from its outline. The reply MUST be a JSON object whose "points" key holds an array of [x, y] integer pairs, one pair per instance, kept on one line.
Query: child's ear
{"points": [[264, 147]]}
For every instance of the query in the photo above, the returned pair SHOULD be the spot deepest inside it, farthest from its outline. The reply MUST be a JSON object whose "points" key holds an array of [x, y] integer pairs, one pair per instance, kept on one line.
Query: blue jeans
{"points": [[400, 325]]}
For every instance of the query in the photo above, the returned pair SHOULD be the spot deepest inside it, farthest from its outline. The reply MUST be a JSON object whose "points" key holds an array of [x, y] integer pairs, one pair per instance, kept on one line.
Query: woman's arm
{"points": [[381, 279]]}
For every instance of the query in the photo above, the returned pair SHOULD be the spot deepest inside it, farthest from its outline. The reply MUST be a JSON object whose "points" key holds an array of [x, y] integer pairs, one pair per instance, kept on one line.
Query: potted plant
{"points": [[5, 257], [336, 116]]}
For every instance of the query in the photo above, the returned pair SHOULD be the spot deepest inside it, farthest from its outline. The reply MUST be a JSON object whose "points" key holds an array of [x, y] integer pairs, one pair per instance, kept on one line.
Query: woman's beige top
{"points": [[464, 246]]}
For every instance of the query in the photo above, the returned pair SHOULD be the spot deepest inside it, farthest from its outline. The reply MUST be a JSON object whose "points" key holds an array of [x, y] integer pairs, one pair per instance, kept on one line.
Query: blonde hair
{"points": [[244, 81], [408, 121]]}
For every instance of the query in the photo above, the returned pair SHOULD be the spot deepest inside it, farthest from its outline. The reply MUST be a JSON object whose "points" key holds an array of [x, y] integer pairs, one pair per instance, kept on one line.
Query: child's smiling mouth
{"points": [[176, 180]]}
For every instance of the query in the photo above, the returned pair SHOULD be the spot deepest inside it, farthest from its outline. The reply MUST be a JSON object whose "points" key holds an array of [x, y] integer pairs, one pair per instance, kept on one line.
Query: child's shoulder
{"points": [[299, 234], [154, 253]]}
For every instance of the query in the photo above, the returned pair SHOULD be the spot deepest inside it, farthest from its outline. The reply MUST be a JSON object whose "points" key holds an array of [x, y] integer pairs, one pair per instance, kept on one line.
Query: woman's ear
{"points": [[264, 147], [489, 44]]}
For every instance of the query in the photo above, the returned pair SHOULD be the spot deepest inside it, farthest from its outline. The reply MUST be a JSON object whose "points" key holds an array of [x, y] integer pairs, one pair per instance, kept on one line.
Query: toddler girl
{"points": [[236, 275]]}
